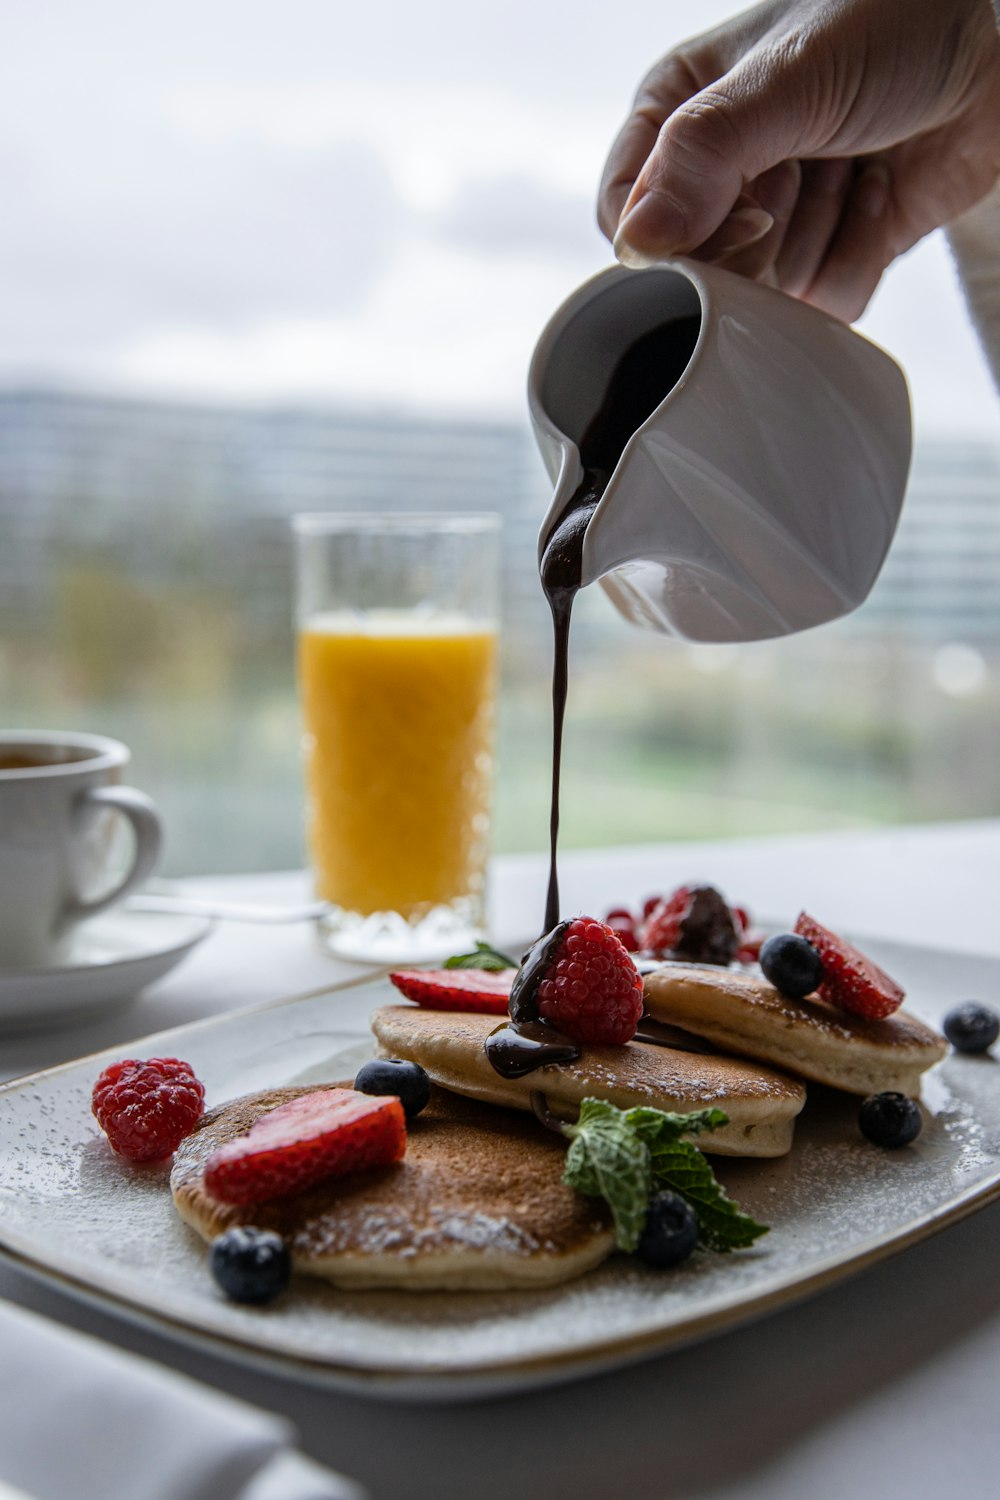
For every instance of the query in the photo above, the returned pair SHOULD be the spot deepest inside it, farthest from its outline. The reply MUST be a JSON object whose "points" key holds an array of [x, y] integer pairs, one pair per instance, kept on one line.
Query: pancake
{"points": [[761, 1104], [476, 1203], [740, 1012]]}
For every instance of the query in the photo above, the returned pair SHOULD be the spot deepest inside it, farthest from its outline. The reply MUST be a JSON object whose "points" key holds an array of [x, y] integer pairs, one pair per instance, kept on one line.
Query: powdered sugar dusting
{"points": [[69, 1205]]}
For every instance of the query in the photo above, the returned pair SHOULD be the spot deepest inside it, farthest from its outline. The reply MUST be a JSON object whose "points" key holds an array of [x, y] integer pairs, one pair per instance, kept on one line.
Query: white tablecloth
{"points": [[887, 1384]]}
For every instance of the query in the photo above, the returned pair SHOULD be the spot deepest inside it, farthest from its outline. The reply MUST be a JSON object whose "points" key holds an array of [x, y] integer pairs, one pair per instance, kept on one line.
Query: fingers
{"points": [[860, 250], [775, 193], [689, 182], [823, 191], [667, 87], [759, 113], [632, 146]]}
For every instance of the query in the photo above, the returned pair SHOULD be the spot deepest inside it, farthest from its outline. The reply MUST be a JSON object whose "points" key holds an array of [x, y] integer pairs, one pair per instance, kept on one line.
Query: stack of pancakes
{"points": [[478, 1200]]}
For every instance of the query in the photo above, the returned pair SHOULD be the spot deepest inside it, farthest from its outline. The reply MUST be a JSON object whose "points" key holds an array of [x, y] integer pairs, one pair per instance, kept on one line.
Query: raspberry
{"points": [[456, 989], [146, 1108], [694, 923], [592, 990], [851, 980], [325, 1133]]}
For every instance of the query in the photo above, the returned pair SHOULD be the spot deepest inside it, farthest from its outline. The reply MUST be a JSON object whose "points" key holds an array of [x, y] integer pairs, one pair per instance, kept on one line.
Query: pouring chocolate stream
{"points": [[644, 375]]}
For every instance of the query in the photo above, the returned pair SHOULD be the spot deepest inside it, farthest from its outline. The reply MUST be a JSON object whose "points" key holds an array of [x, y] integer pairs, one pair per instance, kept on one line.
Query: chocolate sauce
{"points": [[544, 1115], [644, 375], [519, 1047], [663, 1034], [523, 1002], [526, 1042]]}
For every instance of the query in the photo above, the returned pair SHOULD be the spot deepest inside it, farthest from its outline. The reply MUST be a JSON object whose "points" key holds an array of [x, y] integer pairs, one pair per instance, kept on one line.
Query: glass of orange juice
{"points": [[397, 667]]}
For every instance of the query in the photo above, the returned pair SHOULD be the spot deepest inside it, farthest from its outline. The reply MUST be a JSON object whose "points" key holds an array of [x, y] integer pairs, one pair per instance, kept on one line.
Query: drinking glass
{"points": [[397, 667]]}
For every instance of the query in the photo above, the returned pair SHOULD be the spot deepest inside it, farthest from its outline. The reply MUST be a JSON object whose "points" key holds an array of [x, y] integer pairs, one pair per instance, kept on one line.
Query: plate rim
{"points": [[439, 1382], [473, 1381]]}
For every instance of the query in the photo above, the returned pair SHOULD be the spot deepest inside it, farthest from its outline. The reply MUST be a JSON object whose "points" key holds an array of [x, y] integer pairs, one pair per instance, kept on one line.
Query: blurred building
{"points": [[166, 489]]}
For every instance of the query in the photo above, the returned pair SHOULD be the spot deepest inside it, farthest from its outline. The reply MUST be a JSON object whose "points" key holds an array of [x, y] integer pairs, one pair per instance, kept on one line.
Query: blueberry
{"points": [[890, 1120], [250, 1265], [972, 1027], [393, 1075], [791, 964], [670, 1233]]}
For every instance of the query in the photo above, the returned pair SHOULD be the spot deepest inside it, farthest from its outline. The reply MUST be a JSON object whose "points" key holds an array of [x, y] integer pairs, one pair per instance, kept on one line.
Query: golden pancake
{"points": [[477, 1203], [761, 1104], [740, 1012]]}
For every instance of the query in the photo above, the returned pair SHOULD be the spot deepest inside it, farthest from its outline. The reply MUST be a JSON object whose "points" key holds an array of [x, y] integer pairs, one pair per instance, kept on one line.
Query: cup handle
{"points": [[147, 826]]}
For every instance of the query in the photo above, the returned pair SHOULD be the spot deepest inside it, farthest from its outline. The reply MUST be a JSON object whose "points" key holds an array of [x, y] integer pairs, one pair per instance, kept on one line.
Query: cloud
{"points": [[222, 236], [325, 200], [518, 213], [446, 331]]}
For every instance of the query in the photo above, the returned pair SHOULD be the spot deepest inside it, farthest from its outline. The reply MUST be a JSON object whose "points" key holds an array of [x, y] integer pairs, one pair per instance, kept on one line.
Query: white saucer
{"points": [[114, 956]]}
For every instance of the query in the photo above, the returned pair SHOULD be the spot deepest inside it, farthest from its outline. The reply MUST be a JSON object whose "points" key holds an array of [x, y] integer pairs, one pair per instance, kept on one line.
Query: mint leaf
{"points": [[656, 1127], [624, 1156], [722, 1225], [608, 1160], [484, 957]]}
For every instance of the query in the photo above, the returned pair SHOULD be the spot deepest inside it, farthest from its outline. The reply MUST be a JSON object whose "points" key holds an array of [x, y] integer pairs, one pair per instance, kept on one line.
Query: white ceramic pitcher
{"points": [[761, 495]]}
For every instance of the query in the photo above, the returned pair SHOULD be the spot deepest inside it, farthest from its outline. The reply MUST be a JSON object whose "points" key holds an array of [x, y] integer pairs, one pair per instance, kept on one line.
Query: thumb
{"points": [[707, 150]]}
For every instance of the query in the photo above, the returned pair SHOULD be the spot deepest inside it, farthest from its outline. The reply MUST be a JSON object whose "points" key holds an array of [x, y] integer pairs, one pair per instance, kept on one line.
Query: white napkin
{"points": [[79, 1418]]}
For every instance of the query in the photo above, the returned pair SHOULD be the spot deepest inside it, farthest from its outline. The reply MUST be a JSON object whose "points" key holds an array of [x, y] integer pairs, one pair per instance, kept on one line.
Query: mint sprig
{"points": [[608, 1160], [484, 957], [624, 1156]]}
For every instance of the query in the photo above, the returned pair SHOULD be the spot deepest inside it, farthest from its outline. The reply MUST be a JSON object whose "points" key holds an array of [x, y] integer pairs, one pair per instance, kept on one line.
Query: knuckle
{"points": [[704, 127], [672, 80]]}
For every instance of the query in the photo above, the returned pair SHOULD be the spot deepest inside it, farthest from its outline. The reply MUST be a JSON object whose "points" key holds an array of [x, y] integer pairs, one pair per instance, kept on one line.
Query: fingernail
{"points": [[641, 222], [744, 226], [872, 191], [627, 254]]}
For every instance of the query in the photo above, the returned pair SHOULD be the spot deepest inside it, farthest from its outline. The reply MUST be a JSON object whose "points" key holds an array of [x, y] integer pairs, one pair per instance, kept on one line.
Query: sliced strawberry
{"points": [[326, 1133], [457, 989], [850, 980], [624, 930], [662, 928]]}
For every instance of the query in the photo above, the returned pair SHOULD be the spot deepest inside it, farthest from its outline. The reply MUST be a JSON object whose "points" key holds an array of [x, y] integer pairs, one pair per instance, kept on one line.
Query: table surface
{"points": [[888, 1382]]}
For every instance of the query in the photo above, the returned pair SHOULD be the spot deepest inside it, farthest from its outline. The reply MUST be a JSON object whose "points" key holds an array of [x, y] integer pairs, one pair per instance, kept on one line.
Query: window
{"points": [[300, 266]]}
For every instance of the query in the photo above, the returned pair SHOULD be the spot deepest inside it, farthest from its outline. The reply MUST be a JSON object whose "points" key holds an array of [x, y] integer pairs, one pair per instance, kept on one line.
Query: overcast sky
{"points": [[378, 203]]}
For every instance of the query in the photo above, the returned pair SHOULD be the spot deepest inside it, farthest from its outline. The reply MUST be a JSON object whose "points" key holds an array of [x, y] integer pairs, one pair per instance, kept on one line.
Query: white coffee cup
{"points": [[761, 495], [59, 794]]}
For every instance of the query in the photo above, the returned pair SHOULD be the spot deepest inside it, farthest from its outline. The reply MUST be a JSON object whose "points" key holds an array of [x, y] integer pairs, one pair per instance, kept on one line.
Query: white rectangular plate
{"points": [[73, 1213]]}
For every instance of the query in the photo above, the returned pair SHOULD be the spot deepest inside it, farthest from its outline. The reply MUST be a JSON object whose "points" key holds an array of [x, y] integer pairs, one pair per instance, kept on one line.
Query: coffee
{"points": [[36, 760]]}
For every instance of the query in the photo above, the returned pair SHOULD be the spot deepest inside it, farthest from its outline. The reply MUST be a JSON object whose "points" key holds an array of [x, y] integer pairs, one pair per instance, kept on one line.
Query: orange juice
{"points": [[399, 718]]}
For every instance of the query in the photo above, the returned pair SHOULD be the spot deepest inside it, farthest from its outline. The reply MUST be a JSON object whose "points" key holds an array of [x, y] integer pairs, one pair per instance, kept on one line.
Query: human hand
{"points": [[809, 142]]}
